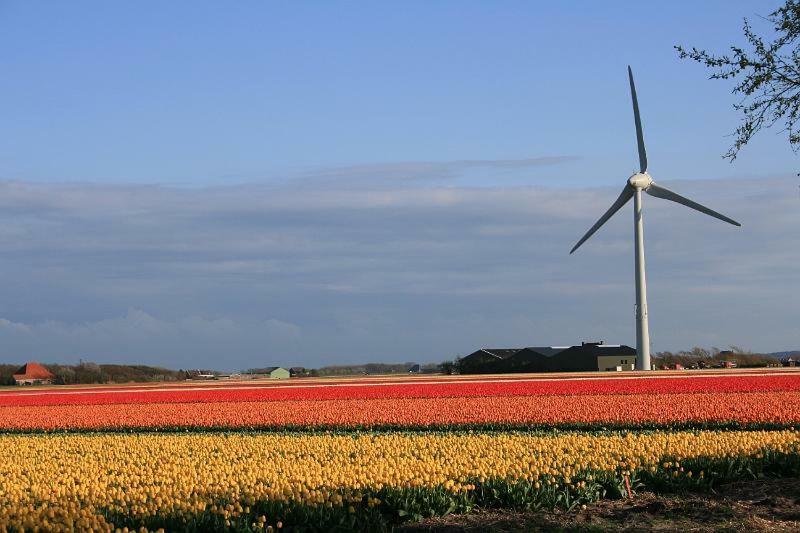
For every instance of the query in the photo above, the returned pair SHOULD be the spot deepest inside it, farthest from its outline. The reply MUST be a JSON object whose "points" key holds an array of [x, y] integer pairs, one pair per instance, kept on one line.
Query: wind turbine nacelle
{"points": [[642, 180]]}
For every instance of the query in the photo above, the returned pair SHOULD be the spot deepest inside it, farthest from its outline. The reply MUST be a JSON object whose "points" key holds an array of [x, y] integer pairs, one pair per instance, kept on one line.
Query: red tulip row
{"points": [[433, 389]]}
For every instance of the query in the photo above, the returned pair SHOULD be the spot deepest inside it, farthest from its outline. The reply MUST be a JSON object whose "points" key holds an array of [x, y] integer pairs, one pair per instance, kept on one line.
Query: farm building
{"points": [[485, 358], [200, 374], [33, 374], [589, 356], [277, 372]]}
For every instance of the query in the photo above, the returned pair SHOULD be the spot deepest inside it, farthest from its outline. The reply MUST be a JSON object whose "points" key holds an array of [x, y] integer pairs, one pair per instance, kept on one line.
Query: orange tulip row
{"points": [[779, 408]]}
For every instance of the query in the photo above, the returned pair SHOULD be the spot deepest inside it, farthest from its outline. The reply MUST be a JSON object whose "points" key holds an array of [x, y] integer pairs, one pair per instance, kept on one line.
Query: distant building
{"points": [[201, 374], [589, 356], [298, 371], [33, 374], [485, 360], [276, 372], [414, 369]]}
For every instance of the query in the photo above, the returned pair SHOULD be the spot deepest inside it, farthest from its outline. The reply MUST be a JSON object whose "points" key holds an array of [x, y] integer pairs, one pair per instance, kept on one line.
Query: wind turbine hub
{"points": [[641, 180]]}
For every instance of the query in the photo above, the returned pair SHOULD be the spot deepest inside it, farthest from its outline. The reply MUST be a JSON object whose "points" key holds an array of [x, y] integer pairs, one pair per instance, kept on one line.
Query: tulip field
{"points": [[370, 453]]}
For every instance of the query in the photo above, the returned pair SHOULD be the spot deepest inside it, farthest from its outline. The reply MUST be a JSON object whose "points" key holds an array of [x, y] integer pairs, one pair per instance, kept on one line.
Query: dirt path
{"points": [[759, 505]]}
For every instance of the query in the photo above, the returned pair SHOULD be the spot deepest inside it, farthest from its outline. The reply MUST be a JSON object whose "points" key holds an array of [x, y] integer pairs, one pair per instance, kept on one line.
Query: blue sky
{"points": [[321, 182], [194, 93]]}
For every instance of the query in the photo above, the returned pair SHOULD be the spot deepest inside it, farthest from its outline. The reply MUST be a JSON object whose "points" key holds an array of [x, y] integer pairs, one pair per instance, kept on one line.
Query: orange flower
{"points": [[781, 408]]}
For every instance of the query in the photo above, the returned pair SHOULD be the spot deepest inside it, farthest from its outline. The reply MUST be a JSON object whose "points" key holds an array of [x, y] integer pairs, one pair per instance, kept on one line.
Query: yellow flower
{"points": [[69, 479]]}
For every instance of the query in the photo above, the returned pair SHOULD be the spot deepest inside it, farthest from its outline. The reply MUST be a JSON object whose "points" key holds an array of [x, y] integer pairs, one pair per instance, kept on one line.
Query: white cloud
{"points": [[139, 337], [415, 172], [308, 275], [16, 327]]}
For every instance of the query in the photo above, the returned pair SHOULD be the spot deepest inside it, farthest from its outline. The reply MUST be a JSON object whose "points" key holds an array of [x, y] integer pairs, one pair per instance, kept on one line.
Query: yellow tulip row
{"points": [[66, 481]]}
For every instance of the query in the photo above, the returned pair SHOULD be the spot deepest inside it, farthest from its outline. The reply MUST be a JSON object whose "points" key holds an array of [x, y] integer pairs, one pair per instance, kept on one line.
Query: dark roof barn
{"points": [[541, 358]]}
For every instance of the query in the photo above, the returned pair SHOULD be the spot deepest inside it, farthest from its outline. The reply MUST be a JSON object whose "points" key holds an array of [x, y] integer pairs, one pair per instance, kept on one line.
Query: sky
{"points": [[192, 184]]}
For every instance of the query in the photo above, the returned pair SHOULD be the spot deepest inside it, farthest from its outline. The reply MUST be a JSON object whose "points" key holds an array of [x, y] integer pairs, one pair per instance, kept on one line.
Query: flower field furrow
{"points": [[215, 481], [631, 410], [235, 393]]}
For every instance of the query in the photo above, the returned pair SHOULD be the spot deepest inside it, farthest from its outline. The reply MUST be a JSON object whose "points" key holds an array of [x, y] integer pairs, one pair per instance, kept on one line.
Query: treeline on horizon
{"points": [[89, 373], [373, 368], [687, 358], [365, 369], [93, 373]]}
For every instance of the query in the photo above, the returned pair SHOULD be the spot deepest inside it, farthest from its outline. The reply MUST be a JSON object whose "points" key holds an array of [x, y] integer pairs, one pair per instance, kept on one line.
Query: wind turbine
{"points": [[641, 181]]}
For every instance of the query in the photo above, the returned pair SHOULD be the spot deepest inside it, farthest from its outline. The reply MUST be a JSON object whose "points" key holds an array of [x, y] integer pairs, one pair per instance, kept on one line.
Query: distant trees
{"points": [[362, 369], [6, 374], [700, 352], [447, 367], [367, 368], [696, 355], [64, 375], [88, 372], [455, 366], [767, 75]]}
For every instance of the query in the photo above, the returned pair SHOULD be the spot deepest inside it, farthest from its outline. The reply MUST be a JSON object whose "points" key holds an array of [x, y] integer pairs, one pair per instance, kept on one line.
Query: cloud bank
{"points": [[236, 277]]}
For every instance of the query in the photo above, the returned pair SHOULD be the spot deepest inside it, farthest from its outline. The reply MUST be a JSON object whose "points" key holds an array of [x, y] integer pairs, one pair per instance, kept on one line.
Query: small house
{"points": [[298, 371], [414, 369], [33, 374], [276, 372]]}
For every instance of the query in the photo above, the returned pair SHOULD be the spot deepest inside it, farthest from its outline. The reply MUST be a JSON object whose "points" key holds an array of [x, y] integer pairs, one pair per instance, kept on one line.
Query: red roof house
{"points": [[33, 374]]}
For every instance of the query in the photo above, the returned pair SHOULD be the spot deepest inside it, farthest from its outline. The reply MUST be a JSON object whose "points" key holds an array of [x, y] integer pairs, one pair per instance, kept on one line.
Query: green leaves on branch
{"points": [[767, 74]]}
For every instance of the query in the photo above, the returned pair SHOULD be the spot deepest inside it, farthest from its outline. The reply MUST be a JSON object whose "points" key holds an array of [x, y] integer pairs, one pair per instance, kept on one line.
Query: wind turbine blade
{"points": [[661, 192], [638, 120], [627, 194]]}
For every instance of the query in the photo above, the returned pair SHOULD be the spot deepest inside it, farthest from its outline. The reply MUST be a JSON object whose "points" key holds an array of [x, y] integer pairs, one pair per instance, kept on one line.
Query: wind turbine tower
{"points": [[638, 183]]}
